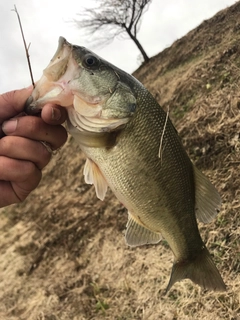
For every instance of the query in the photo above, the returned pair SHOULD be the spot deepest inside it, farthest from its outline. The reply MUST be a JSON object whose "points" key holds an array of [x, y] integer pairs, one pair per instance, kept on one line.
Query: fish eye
{"points": [[91, 61]]}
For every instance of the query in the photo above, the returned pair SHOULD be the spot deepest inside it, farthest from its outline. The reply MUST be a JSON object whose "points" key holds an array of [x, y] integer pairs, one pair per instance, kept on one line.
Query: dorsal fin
{"points": [[93, 175], [207, 199], [138, 235]]}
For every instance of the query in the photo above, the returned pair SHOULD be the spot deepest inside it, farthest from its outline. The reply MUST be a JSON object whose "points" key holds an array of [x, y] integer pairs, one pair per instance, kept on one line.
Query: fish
{"points": [[132, 147]]}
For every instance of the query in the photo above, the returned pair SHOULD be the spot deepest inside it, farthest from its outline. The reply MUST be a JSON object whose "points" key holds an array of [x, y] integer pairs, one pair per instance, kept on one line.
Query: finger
{"points": [[53, 114], [36, 129], [18, 181], [25, 149], [12, 103], [8, 195]]}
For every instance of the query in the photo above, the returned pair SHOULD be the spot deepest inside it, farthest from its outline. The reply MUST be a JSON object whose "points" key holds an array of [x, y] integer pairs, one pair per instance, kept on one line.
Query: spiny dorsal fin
{"points": [[207, 199], [93, 175], [137, 235]]}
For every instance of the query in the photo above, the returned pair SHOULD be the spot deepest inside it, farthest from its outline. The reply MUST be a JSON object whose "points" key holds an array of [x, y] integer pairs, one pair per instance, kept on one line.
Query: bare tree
{"points": [[115, 17]]}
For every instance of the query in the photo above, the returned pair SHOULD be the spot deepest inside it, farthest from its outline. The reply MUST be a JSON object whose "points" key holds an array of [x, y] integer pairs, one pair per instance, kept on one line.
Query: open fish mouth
{"points": [[67, 81]]}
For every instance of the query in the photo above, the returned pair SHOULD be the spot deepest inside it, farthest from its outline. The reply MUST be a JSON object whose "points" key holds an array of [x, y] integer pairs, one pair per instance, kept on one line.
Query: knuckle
{"points": [[29, 126], [5, 144], [29, 169], [34, 125], [64, 135], [22, 196], [44, 155], [32, 176], [57, 137], [60, 137]]}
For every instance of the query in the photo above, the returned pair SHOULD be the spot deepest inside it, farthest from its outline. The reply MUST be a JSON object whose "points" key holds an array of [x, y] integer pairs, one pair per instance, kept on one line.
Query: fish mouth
{"points": [[59, 84], [92, 108]]}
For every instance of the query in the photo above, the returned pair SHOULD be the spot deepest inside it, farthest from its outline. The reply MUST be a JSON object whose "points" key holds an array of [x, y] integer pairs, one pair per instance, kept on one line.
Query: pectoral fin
{"points": [[93, 175], [138, 235], [208, 200]]}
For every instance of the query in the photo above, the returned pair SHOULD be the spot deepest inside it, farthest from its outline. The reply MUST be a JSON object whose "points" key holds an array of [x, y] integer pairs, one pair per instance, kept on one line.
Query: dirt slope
{"points": [[63, 255]]}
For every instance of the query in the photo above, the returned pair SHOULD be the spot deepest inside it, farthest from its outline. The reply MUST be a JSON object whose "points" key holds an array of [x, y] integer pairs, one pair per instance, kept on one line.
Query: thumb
{"points": [[12, 102]]}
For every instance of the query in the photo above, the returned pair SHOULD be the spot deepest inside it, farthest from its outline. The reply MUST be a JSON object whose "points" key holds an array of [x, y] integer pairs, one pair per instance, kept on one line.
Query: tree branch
{"points": [[115, 17]]}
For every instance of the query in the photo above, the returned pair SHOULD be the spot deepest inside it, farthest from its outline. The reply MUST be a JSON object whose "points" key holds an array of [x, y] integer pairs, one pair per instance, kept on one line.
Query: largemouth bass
{"points": [[132, 147]]}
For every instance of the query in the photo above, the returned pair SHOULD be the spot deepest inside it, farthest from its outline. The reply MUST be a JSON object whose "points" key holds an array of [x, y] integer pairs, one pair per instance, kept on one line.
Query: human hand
{"points": [[22, 155]]}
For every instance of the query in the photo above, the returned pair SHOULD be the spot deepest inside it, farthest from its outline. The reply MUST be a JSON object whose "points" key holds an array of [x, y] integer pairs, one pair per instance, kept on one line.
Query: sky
{"points": [[45, 20]]}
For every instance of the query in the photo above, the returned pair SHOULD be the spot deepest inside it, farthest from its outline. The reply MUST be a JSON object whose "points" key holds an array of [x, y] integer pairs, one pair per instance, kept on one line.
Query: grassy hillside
{"points": [[63, 255]]}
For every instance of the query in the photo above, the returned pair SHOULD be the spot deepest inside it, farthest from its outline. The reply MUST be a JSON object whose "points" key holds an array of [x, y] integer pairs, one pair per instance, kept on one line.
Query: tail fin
{"points": [[201, 271]]}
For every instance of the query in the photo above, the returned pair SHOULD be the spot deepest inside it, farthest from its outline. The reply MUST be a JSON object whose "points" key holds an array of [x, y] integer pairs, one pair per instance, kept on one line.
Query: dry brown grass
{"points": [[63, 255]]}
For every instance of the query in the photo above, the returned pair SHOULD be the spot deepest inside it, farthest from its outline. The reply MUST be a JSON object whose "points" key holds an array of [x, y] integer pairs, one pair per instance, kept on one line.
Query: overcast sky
{"points": [[45, 20]]}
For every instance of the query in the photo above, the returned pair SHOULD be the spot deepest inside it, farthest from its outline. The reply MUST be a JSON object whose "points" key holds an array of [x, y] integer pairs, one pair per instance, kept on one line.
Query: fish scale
{"points": [[132, 147], [158, 199]]}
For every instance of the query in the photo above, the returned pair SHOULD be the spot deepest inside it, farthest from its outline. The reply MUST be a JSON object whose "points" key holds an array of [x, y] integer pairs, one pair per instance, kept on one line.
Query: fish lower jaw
{"points": [[58, 95]]}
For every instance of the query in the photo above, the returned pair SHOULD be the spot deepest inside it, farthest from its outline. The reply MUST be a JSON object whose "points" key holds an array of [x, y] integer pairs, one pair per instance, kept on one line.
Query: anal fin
{"points": [[93, 175], [138, 235]]}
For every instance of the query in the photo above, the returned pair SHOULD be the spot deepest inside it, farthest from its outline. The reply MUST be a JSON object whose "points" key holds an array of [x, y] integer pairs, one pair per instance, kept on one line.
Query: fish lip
{"points": [[31, 107]]}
